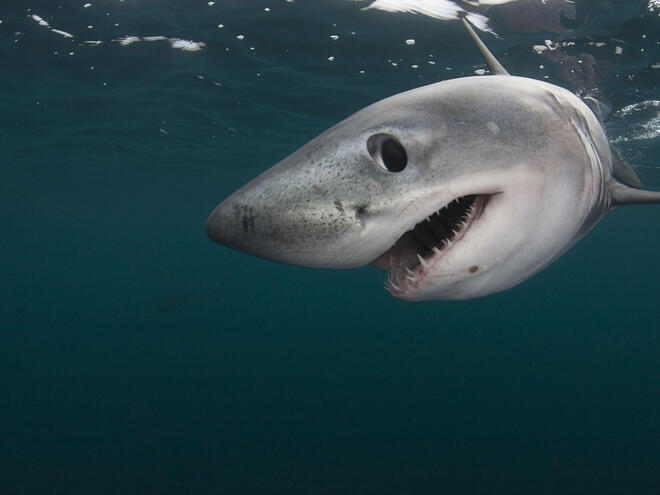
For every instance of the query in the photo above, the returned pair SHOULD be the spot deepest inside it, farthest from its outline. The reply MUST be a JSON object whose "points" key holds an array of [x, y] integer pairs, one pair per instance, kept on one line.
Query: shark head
{"points": [[458, 189], [434, 185]]}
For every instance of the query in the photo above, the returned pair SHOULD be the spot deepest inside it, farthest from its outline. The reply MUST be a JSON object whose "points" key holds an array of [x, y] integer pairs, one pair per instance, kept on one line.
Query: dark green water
{"points": [[138, 357]]}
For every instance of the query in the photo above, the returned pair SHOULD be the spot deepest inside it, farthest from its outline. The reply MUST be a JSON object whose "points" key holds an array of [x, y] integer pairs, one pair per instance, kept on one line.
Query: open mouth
{"points": [[420, 248]]}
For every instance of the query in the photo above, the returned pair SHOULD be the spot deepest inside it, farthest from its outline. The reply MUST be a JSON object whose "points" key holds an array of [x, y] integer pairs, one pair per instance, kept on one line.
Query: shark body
{"points": [[459, 189]]}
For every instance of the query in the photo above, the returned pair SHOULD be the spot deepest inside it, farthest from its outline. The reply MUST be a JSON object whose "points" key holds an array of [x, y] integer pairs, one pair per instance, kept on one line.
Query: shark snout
{"points": [[240, 224], [228, 223], [324, 234]]}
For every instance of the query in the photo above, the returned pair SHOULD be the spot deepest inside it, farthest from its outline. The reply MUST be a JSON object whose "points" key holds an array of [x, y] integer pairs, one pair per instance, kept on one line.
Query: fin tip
{"points": [[492, 63]]}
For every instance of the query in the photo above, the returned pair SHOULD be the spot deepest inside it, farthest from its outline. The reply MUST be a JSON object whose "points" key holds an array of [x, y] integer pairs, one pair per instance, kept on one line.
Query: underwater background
{"points": [[136, 356]]}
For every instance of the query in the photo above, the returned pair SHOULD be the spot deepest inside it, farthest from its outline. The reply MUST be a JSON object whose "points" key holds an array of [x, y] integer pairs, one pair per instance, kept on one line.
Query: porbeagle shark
{"points": [[459, 189]]}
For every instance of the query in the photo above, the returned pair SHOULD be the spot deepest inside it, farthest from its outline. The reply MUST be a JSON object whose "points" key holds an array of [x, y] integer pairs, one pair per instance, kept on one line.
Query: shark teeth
{"points": [[422, 261], [420, 249]]}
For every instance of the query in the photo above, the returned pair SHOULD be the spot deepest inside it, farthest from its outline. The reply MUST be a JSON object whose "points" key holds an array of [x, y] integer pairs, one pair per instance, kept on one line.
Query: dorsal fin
{"points": [[492, 63], [595, 106], [622, 170]]}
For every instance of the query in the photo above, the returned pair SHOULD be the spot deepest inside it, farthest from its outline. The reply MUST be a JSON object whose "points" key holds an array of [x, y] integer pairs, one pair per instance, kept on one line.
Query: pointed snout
{"points": [[237, 224], [284, 227], [223, 227], [315, 208]]}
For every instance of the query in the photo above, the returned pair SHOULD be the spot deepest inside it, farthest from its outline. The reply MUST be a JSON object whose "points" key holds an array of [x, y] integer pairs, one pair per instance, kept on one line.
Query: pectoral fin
{"points": [[621, 194]]}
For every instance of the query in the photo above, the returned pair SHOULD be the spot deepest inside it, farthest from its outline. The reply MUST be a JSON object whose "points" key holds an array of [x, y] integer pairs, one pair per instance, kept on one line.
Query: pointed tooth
{"points": [[394, 285], [411, 278], [436, 250], [409, 271], [422, 261]]}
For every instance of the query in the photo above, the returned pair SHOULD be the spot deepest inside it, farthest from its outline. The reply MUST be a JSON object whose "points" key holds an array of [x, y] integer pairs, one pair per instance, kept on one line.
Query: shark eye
{"points": [[388, 152]]}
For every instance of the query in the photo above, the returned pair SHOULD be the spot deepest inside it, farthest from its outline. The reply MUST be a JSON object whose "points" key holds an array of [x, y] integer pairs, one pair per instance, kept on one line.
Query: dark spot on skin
{"points": [[473, 268], [339, 206], [318, 190], [247, 219]]}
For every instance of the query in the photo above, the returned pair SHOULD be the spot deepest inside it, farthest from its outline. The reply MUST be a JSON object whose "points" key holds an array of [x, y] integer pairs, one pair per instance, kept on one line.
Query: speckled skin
{"points": [[535, 147]]}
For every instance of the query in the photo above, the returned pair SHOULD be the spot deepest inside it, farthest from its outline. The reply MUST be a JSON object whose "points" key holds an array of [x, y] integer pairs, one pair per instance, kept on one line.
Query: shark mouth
{"points": [[422, 247]]}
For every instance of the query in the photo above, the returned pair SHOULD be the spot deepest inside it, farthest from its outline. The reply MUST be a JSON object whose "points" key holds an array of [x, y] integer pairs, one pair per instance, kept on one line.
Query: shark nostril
{"points": [[387, 152], [359, 213]]}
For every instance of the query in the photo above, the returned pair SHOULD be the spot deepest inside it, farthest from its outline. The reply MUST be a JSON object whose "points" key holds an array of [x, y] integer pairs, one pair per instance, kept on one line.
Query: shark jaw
{"points": [[420, 249]]}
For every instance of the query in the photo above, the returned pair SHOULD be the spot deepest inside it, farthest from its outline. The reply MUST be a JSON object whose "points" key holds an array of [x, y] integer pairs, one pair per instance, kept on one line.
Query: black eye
{"points": [[388, 152]]}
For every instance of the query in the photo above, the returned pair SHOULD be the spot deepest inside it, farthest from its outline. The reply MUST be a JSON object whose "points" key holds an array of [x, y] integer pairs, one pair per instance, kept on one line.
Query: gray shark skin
{"points": [[459, 189]]}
